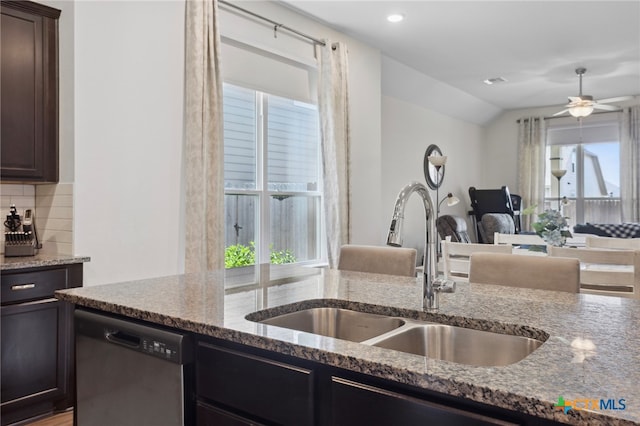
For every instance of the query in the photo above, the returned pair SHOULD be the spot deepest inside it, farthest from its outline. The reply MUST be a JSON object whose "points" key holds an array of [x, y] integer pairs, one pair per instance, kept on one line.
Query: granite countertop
{"points": [[592, 350], [38, 261]]}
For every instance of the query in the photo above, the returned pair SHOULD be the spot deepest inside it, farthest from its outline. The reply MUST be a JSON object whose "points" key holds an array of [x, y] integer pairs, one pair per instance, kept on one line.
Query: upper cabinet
{"points": [[29, 92]]}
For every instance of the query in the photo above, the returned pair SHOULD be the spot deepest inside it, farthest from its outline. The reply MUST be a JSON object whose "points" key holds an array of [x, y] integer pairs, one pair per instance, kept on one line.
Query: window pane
{"points": [[239, 108], [293, 147], [561, 158], [240, 230], [294, 228], [602, 170]]}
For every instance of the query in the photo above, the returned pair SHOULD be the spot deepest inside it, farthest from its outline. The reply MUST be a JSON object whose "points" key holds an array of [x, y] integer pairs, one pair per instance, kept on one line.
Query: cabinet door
{"points": [[208, 415], [29, 95], [33, 353], [259, 387], [356, 403]]}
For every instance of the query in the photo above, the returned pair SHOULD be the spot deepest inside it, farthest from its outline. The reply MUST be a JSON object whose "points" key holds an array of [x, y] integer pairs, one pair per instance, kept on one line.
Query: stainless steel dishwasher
{"points": [[128, 373]]}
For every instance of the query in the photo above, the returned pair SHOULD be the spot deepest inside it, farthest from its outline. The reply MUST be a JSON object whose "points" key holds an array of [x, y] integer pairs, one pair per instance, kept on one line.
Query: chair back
{"points": [[454, 227], [378, 259], [455, 257], [605, 271], [513, 270], [593, 241], [518, 239]]}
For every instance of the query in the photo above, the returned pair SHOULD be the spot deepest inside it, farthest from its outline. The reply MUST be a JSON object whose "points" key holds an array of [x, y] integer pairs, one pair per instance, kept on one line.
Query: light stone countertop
{"points": [[592, 350], [39, 261]]}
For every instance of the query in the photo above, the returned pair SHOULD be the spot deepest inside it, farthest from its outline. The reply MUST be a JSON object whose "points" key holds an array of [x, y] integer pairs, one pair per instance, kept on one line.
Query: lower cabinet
{"points": [[37, 374], [238, 386], [260, 389], [355, 403]]}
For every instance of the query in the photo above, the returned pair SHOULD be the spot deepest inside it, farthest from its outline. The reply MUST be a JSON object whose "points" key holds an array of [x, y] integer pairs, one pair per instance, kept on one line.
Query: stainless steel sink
{"points": [[338, 323], [432, 340], [458, 344]]}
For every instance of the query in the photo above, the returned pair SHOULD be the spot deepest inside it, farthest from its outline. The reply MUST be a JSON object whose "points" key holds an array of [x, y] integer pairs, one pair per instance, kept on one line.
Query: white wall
{"points": [[128, 138], [407, 131]]}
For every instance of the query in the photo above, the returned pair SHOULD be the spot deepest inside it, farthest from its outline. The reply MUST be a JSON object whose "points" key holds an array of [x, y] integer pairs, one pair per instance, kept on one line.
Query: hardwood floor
{"points": [[62, 419]]}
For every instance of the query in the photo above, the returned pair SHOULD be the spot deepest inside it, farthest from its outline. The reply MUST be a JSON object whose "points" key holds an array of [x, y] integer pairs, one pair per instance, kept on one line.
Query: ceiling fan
{"points": [[583, 105]]}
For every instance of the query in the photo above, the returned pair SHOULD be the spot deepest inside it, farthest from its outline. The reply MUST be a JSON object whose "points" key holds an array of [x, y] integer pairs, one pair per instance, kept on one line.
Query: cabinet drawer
{"points": [[23, 286], [259, 387], [357, 403]]}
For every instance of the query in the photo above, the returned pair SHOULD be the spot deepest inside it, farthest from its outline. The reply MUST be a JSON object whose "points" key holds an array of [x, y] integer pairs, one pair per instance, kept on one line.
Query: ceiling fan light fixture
{"points": [[581, 110]]}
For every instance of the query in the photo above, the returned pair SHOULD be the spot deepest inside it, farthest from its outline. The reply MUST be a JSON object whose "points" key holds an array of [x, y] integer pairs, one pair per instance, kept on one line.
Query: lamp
{"points": [[451, 200], [558, 173], [438, 161], [580, 111]]}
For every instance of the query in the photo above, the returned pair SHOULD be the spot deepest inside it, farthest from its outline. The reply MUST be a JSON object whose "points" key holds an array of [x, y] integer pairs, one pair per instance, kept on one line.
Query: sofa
{"points": [[616, 230]]}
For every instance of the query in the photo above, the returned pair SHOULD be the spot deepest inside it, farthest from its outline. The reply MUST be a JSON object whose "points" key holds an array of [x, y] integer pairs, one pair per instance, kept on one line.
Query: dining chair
{"points": [[455, 257], [539, 272], [518, 239], [378, 259], [593, 241], [605, 271]]}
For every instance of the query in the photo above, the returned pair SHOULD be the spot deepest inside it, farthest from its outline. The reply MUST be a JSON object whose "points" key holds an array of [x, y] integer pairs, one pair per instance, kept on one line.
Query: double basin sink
{"points": [[429, 339]]}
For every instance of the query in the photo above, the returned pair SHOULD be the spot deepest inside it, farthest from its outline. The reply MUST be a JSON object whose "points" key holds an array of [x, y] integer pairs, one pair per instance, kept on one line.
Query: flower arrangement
{"points": [[552, 227]]}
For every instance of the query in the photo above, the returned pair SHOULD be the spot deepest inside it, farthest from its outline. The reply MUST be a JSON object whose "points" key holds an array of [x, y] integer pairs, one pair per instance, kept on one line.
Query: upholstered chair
{"points": [[527, 271], [453, 226], [378, 259], [495, 222]]}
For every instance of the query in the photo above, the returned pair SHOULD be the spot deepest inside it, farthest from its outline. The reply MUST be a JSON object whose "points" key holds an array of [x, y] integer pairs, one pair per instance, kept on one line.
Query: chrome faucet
{"points": [[432, 285]]}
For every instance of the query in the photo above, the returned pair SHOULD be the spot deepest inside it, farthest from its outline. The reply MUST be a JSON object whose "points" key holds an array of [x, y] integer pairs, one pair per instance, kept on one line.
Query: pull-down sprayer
{"points": [[432, 285]]}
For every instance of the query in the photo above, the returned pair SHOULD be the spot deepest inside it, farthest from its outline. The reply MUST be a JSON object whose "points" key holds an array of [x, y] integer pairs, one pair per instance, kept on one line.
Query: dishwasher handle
{"points": [[123, 339]]}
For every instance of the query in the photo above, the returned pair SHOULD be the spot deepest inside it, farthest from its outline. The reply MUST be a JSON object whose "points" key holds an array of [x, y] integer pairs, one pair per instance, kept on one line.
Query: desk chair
{"points": [[378, 260]]}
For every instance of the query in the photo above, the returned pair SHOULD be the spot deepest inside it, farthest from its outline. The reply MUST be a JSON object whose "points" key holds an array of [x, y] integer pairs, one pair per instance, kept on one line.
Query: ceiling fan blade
{"points": [[573, 99], [561, 112], [618, 99], [607, 107]]}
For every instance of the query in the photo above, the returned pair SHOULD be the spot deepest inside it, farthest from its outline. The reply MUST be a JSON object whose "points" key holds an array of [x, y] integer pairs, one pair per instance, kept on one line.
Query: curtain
{"points": [[630, 165], [204, 143], [333, 105], [531, 152]]}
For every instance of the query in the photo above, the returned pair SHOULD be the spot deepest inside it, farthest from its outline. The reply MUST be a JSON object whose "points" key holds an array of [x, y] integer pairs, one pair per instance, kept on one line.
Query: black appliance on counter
{"points": [[20, 236]]}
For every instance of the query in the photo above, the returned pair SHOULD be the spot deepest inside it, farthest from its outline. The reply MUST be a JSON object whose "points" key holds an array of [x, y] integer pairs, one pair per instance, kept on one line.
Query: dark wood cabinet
{"points": [[238, 385], [357, 403], [255, 388], [29, 92], [37, 342]]}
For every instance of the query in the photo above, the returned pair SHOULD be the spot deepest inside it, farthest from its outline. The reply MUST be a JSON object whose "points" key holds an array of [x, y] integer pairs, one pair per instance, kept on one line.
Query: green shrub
{"points": [[239, 255]]}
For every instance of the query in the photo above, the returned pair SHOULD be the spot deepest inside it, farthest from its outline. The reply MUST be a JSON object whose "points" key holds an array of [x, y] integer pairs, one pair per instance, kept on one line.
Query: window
{"points": [[272, 179], [589, 190]]}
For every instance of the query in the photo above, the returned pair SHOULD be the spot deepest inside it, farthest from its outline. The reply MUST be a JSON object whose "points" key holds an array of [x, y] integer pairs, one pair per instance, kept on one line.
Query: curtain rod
{"points": [[276, 25], [553, 117]]}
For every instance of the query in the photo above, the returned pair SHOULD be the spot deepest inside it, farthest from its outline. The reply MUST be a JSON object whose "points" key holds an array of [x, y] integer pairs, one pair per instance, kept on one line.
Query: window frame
{"points": [[264, 195]]}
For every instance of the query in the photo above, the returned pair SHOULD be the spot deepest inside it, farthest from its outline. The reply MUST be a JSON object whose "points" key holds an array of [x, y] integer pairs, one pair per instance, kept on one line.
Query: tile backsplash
{"points": [[52, 210]]}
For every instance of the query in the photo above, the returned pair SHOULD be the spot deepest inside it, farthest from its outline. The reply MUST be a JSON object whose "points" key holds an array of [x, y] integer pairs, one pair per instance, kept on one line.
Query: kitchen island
{"points": [[590, 352]]}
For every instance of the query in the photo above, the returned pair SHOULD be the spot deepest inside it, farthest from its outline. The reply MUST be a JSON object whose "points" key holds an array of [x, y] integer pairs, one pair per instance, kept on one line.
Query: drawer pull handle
{"points": [[22, 286]]}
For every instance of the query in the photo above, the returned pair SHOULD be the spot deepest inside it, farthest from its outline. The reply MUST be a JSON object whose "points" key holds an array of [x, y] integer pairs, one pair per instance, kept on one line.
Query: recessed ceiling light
{"points": [[396, 17], [495, 80]]}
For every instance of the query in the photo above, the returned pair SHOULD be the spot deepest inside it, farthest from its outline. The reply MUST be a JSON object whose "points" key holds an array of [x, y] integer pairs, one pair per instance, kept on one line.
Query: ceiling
{"points": [[535, 45]]}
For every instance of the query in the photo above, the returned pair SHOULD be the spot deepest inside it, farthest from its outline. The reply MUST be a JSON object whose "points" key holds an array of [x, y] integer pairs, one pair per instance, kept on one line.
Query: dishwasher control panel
{"points": [[157, 342], [159, 348]]}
